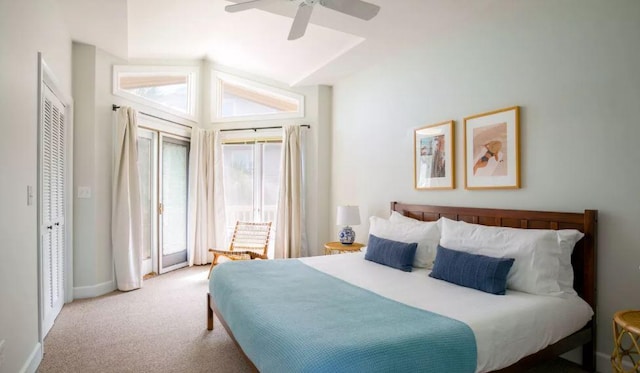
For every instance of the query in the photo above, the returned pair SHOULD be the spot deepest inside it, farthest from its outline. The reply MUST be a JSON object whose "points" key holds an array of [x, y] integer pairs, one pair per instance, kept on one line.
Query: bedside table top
{"points": [[629, 319], [356, 246]]}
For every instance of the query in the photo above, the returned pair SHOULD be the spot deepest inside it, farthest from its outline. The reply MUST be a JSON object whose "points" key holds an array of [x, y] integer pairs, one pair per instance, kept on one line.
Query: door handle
{"points": [[49, 226]]}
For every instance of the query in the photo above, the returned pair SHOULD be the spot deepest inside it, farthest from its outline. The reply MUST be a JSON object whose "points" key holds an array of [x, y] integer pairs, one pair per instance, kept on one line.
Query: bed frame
{"points": [[583, 260]]}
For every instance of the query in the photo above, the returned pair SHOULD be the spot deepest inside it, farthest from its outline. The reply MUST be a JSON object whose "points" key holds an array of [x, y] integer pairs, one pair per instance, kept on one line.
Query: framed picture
{"points": [[492, 150], [433, 157]]}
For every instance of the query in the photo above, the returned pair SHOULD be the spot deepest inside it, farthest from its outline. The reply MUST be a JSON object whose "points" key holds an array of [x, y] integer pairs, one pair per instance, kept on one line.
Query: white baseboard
{"points": [[603, 360], [603, 363], [34, 360], [94, 291]]}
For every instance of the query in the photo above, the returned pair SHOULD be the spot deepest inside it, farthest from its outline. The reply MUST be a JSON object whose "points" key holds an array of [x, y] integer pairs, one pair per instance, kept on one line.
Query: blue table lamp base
{"points": [[347, 236]]}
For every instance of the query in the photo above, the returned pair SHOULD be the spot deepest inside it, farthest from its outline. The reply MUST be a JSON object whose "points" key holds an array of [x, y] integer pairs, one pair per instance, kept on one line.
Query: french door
{"points": [[251, 183], [163, 163]]}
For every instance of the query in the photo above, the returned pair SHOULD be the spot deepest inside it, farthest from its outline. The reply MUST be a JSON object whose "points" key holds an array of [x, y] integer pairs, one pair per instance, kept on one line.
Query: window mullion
{"points": [[257, 181]]}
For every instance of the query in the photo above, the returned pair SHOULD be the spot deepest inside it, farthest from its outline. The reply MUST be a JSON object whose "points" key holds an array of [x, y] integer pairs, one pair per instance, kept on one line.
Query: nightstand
{"points": [[330, 247], [626, 336]]}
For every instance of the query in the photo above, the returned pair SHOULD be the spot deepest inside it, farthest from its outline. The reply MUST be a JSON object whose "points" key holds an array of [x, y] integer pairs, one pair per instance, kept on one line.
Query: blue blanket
{"points": [[289, 317]]}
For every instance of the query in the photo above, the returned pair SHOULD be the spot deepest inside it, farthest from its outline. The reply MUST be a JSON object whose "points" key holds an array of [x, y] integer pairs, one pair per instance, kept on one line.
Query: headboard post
{"points": [[590, 253]]}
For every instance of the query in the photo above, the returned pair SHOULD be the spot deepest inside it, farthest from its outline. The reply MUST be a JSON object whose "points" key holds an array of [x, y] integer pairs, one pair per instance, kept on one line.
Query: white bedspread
{"points": [[506, 328]]}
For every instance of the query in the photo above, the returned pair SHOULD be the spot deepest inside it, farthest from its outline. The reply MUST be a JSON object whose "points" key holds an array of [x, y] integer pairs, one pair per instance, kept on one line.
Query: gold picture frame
{"points": [[492, 150], [433, 156]]}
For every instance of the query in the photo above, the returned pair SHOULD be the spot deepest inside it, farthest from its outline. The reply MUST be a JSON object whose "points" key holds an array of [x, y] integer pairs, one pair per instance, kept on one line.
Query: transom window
{"points": [[172, 89], [236, 99]]}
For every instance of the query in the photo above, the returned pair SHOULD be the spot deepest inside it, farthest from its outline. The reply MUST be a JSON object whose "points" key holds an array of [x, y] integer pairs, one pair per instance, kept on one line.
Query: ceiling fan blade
{"points": [[246, 5], [301, 21], [356, 8]]}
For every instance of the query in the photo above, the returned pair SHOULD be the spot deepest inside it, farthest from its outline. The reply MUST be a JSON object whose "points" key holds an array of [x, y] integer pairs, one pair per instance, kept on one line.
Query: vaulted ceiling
{"points": [[255, 41]]}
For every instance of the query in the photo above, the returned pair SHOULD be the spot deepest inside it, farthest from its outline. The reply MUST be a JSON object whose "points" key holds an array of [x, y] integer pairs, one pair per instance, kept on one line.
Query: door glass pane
{"points": [[270, 180], [238, 182], [174, 197], [145, 163]]}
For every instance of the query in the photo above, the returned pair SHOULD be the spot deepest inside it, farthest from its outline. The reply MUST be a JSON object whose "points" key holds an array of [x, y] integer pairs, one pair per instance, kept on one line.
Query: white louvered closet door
{"points": [[53, 206]]}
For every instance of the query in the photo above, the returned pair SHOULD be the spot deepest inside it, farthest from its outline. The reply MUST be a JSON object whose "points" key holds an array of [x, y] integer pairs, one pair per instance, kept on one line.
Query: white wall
{"points": [[97, 22], [93, 163], [26, 27], [320, 197], [572, 66], [84, 63]]}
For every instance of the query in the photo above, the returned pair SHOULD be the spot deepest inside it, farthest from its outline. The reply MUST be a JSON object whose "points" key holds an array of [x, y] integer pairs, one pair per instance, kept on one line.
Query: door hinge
{"points": [[160, 208]]}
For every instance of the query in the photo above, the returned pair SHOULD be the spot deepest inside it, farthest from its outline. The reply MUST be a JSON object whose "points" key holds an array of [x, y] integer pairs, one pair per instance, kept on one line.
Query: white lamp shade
{"points": [[348, 215]]}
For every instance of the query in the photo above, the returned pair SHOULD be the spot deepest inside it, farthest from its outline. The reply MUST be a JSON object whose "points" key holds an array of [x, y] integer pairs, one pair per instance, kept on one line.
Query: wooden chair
{"points": [[249, 241]]}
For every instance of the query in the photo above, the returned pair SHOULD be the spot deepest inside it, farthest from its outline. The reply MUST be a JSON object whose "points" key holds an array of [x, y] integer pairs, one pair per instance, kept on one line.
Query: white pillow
{"points": [[536, 252], [425, 234], [397, 217], [567, 239]]}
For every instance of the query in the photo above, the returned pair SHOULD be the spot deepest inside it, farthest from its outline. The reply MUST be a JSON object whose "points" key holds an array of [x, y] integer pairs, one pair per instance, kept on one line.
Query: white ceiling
{"points": [[255, 41]]}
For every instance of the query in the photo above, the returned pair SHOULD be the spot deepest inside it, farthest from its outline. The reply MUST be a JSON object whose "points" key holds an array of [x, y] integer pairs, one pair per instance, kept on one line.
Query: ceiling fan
{"points": [[356, 8]]}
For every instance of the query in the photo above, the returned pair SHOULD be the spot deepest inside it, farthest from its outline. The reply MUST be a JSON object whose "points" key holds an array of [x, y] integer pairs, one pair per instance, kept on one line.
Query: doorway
{"points": [[54, 199], [251, 183], [163, 164]]}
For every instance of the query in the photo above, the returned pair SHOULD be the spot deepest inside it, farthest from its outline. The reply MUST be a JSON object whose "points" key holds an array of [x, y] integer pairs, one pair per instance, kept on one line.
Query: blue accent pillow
{"points": [[479, 272], [394, 254]]}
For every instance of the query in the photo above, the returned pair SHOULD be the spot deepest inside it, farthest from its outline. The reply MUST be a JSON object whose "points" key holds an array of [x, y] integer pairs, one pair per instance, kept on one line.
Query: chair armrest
{"points": [[224, 251]]}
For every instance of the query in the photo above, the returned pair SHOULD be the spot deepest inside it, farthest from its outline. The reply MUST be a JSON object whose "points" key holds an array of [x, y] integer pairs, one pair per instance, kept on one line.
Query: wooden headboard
{"points": [[583, 260], [584, 254]]}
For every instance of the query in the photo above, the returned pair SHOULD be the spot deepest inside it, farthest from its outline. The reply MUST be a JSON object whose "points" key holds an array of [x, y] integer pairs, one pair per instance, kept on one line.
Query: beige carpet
{"points": [[159, 328]]}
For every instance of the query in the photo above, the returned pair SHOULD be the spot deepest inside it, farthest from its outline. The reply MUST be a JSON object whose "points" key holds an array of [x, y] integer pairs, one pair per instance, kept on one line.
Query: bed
{"points": [[322, 339]]}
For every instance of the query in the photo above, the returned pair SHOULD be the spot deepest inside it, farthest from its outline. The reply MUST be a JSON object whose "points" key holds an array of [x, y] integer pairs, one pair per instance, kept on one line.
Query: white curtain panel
{"points": [[290, 212], [207, 221], [126, 212]]}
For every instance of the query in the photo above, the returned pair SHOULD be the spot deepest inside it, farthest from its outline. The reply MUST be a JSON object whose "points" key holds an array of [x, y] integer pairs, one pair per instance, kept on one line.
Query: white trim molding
{"points": [[603, 363], [34, 360], [94, 290]]}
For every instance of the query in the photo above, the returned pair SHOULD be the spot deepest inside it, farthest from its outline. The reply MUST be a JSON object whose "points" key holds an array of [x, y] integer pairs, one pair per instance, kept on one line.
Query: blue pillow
{"points": [[479, 272], [394, 254]]}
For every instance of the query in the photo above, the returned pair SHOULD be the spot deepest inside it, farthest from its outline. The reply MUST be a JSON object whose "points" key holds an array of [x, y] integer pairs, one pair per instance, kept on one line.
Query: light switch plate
{"points": [[29, 195], [84, 192]]}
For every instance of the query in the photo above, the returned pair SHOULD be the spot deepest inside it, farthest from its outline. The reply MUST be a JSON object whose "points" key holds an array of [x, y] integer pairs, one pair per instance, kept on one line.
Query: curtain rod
{"points": [[254, 129], [115, 107]]}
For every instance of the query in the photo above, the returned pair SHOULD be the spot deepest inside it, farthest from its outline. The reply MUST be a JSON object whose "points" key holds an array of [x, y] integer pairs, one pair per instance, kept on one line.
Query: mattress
{"points": [[506, 328]]}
